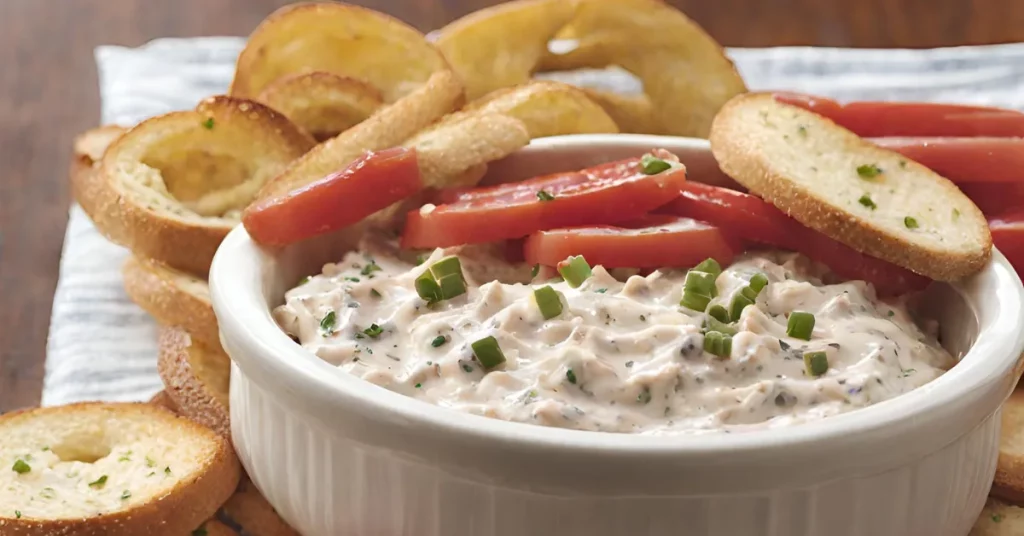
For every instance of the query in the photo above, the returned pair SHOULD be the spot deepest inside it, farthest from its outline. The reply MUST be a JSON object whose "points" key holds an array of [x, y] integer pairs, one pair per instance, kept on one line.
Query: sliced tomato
{"points": [[878, 119], [603, 194], [964, 160], [371, 183], [1008, 237], [654, 241], [996, 198], [751, 218]]}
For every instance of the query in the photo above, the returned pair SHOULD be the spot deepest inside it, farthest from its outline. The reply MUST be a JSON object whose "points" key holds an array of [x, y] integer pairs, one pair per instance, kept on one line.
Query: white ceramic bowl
{"points": [[337, 455]]}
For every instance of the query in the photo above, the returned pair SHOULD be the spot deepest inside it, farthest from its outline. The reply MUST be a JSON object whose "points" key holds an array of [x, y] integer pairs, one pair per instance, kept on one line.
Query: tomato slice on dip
{"points": [[964, 160], [878, 119], [750, 218], [608, 193], [653, 241], [371, 183], [1008, 237]]}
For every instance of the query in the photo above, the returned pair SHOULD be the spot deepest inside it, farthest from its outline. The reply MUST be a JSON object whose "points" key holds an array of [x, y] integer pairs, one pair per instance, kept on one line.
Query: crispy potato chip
{"points": [[548, 109], [337, 38], [325, 104], [500, 46]]}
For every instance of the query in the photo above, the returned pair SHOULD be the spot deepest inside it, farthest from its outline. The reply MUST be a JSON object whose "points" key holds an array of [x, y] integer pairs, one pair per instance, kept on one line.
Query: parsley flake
{"points": [[996, 518], [305, 280], [17, 514], [535, 270], [867, 202], [601, 290], [125, 495], [370, 268], [544, 196], [418, 385], [437, 342], [99, 482], [375, 293], [21, 467], [868, 171], [352, 279], [373, 331], [327, 322], [150, 462], [167, 470], [208, 124], [571, 376], [910, 222]]}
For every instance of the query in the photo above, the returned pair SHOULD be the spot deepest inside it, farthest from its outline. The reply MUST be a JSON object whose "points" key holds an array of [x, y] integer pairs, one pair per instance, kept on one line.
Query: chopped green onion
{"points": [[710, 266], [652, 165], [438, 341], [21, 467], [867, 202], [571, 376], [816, 363], [327, 322], [712, 324], [694, 301], [749, 293], [701, 283], [420, 259], [910, 222], [738, 304], [487, 352], [574, 270], [868, 171], [535, 270], [427, 287], [544, 196], [800, 325], [718, 313], [373, 331], [548, 302], [452, 285], [718, 344], [370, 268], [758, 281], [447, 266]]}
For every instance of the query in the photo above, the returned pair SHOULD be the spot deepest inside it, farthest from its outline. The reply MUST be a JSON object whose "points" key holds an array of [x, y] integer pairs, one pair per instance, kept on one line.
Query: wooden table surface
{"points": [[48, 92]]}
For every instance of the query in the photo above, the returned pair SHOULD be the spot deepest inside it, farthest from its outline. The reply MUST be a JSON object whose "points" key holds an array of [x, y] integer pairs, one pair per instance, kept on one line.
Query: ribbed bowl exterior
{"points": [[325, 482]]}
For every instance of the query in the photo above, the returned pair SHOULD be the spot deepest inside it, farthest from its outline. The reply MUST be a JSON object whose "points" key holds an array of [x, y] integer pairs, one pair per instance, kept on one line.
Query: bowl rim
{"points": [[236, 280]]}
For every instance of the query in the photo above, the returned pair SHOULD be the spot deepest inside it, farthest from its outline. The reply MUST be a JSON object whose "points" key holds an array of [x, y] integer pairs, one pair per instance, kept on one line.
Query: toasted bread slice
{"points": [[110, 469], [999, 519], [172, 187], [163, 400], [866, 197], [1009, 480], [389, 127], [87, 152], [214, 528], [325, 104], [251, 511], [196, 378], [172, 297], [548, 109]]}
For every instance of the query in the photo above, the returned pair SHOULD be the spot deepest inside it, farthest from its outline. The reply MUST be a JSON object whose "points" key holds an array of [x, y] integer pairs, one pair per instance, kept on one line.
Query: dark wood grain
{"points": [[48, 93]]}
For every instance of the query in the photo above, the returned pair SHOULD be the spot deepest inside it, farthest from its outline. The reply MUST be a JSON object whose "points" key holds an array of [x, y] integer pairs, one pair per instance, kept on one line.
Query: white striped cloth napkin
{"points": [[101, 346]]}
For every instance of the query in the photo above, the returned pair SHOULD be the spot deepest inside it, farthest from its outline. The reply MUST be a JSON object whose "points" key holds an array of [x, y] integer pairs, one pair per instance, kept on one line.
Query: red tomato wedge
{"points": [[371, 183], [964, 160], [750, 218], [653, 241], [1008, 237], [608, 193], [996, 198], [878, 119]]}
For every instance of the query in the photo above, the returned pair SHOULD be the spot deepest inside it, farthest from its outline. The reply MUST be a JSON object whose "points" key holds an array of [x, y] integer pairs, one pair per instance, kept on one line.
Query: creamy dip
{"points": [[623, 356]]}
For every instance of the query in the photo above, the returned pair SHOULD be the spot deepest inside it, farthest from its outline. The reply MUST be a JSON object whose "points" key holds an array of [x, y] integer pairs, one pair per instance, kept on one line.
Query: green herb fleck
{"points": [[167, 470], [645, 396], [201, 531], [150, 462], [373, 331], [868, 171], [956, 214], [910, 222], [99, 482], [802, 130], [467, 368], [208, 124], [544, 196], [48, 493], [571, 376], [125, 495], [44, 449], [21, 467], [892, 313], [438, 342], [996, 518], [126, 457], [652, 165], [305, 280], [908, 372], [370, 268], [374, 292], [601, 290], [352, 279], [420, 259], [867, 202], [17, 514], [535, 270], [327, 322]]}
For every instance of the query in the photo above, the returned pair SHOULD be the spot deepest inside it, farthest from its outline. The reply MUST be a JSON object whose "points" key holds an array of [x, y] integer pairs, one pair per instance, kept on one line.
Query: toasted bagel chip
{"points": [[172, 297], [855, 192], [388, 127], [452, 150], [501, 46], [325, 104], [1009, 479], [173, 186], [88, 149], [197, 378], [342, 39], [251, 511], [632, 113], [110, 468], [163, 400], [548, 109]]}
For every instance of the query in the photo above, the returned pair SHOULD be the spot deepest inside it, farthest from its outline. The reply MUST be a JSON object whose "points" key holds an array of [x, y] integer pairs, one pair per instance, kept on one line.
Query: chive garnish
{"points": [[438, 341], [868, 171], [571, 376], [427, 287], [548, 302], [652, 165], [17, 514], [21, 467], [544, 196], [535, 270], [815, 363], [601, 290], [694, 301], [712, 324], [710, 266], [208, 124], [719, 313], [800, 325], [370, 268], [739, 302], [99, 482], [442, 281], [867, 202], [701, 283], [327, 322], [452, 285], [125, 495], [574, 270], [487, 352], [758, 281], [373, 331], [910, 222], [718, 344]]}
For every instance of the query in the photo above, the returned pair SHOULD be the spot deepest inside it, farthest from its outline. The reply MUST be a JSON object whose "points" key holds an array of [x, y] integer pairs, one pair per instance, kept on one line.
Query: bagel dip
{"points": [[617, 354]]}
